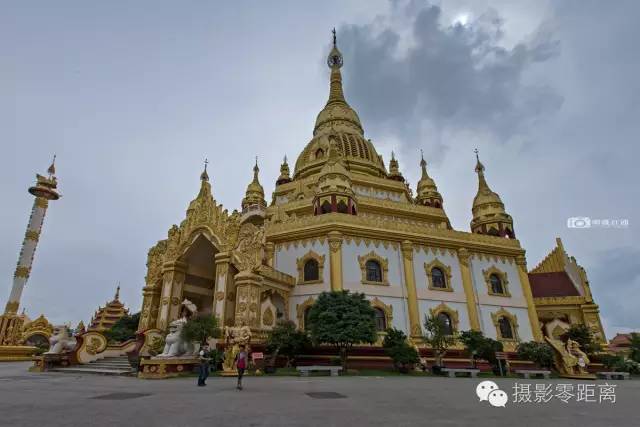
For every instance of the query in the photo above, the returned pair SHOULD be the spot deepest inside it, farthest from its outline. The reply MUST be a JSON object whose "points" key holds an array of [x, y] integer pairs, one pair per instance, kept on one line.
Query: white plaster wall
{"points": [[427, 255], [489, 329], [515, 286], [352, 275], [425, 306], [285, 260]]}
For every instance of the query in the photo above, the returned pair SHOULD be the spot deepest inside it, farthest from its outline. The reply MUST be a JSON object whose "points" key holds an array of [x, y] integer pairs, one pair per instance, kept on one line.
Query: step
{"points": [[100, 371]]}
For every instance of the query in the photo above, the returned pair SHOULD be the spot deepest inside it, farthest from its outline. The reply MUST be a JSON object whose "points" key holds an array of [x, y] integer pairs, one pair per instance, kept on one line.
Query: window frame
{"points": [[446, 270], [384, 269], [301, 262], [493, 270]]}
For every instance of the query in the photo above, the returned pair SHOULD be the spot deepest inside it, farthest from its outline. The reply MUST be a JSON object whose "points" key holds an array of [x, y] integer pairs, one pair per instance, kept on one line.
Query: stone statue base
{"points": [[159, 368]]}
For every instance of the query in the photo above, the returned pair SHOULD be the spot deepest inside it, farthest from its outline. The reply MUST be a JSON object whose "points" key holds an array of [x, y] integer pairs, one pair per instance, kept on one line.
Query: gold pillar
{"points": [[223, 287], [248, 289], [410, 282], [173, 275], [528, 295], [467, 284], [270, 249], [150, 306], [335, 260]]}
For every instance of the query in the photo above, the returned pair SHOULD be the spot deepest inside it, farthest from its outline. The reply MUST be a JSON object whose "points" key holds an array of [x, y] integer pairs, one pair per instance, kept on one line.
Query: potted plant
{"points": [[438, 339]]}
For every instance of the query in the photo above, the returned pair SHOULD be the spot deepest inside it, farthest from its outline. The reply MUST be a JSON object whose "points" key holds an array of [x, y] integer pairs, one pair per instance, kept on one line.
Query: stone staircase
{"points": [[118, 365]]}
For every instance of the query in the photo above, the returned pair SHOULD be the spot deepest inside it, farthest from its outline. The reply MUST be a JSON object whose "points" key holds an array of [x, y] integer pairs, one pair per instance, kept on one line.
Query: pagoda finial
{"points": [[479, 165], [335, 43], [423, 165], [204, 176], [117, 297], [52, 168]]}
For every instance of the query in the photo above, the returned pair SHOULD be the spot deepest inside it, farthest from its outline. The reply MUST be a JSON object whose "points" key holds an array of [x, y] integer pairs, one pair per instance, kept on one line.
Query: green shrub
{"points": [[540, 353], [124, 329], [200, 328]]}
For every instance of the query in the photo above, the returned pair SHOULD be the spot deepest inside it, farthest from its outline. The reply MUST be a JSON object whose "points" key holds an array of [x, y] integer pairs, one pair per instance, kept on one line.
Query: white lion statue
{"points": [[61, 341], [175, 346]]}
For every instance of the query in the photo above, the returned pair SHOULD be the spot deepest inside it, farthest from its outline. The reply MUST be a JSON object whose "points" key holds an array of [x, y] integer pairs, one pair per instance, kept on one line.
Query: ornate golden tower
{"points": [[489, 215], [428, 194], [44, 190], [105, 317]]}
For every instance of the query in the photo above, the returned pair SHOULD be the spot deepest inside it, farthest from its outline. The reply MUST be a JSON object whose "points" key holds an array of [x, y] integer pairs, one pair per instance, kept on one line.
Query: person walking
{"points": [[204, 365], [241, 362]]}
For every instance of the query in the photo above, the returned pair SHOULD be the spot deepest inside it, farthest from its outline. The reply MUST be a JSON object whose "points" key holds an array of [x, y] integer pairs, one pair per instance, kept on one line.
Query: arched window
{"points": [[319, 153], [311, 270], [437, 278], [437, 204], [446, 321], [381, 319], [326, 207], [506, 331], [306, 318], [497, 286], [374, 271], [342, 207]]}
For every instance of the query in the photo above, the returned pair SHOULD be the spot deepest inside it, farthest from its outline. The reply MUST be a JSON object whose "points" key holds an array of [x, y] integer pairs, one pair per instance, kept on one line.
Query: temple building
{"points": [[105, 317], [343, 220], [562, 295]]}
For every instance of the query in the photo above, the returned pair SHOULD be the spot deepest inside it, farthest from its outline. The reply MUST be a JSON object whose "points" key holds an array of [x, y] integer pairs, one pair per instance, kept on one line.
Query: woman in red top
{"points": [[241, 362]]}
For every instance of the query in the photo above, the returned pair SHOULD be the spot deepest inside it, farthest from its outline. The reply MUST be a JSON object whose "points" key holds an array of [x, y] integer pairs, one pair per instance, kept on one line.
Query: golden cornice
{"points": [[569, 300], [306, 227]]}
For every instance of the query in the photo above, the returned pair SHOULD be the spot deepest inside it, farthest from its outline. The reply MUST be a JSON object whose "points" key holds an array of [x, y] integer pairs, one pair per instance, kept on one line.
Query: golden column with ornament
{"points": [[335, 260], [521, 261], [469, 293], [173, 274], [410, 282], [10, 322]]}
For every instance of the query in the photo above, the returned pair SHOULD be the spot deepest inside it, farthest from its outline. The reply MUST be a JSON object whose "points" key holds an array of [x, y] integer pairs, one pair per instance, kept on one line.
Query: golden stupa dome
{"points": [[338, 122]]}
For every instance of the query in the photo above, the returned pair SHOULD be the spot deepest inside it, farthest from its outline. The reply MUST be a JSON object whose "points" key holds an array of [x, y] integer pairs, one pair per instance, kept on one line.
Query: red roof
{"points": [[555, 284]]}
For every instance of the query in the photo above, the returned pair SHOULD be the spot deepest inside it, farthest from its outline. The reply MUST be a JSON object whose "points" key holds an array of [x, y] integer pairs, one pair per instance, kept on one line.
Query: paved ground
{"points": [[30, 399]]}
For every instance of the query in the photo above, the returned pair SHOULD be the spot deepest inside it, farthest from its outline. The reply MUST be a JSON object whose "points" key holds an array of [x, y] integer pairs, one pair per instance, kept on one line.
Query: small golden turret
{"points": [[254, 196], [428, 194], [394, 169], [489, 215], [334, 192], [284, 173]]}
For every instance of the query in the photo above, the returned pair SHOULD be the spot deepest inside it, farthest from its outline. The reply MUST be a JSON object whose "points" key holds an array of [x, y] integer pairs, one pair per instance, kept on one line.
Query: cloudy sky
{"points": [[132, 96]]}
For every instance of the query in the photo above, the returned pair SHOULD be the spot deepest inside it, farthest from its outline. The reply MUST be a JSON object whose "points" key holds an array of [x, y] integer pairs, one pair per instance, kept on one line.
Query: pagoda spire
{"points": [[428, 194], [117, 296], [284, 173], [204, 176], [394, 169]]}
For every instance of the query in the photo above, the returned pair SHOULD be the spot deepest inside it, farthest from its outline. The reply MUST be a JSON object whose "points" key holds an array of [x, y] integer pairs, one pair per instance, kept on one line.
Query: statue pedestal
{"points": [[229, 373], [16, 353], [166, 367], [48, 361]]}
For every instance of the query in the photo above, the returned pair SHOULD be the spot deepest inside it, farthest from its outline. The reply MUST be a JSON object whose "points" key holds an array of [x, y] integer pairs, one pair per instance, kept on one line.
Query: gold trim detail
{"points": [[303, 260], [301, 308], [446, 270], [453, 314], [384, 267], [22, 271], [503, 278], [513, 321], [32, 235]]}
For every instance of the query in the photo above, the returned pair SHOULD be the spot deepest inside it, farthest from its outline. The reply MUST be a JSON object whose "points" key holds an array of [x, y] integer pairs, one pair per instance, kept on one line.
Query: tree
{"points": [[634, 347], [342, 319], [479, 346], [200, 328], [582, 335], [287, 340], [124, 329], [398, 349], [540, 353], [437, 338]]}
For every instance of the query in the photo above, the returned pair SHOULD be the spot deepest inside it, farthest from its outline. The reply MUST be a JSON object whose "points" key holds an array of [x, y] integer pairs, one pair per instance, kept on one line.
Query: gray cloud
{"points": [[442, 76]]}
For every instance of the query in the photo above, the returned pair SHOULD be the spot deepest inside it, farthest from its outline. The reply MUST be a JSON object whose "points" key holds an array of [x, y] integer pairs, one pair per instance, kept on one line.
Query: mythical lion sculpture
{"points": [[61, 341], [175, 346], [569, 358]]}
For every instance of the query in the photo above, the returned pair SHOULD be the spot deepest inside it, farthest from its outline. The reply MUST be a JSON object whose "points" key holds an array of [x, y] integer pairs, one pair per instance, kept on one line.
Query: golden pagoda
{"points": [[105, 317], [343, 221]]}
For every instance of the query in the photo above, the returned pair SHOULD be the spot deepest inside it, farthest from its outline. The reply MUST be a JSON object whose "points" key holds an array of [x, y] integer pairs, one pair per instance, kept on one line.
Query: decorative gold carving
{"points": [[503, 278], [41, 202], [386, 308], [300, 309], [453, 314], [300, 262], [32, 235], [384, 267], [12, 307], [511, 318], [335, 241], [446, 271], [267, 317], [219, 295], [22, 271]]}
